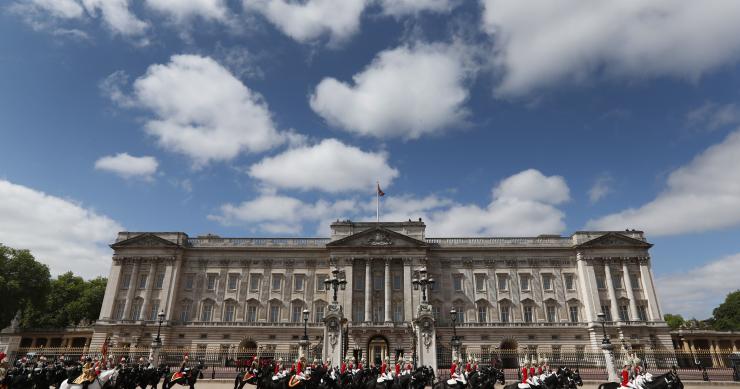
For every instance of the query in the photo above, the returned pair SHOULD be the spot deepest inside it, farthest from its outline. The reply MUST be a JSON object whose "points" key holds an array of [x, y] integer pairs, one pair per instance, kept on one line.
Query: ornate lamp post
{"points": [[335, 283], [305, 325], [160, 316], [608, 349], [602, 319], [455, 340], [424, 282]]}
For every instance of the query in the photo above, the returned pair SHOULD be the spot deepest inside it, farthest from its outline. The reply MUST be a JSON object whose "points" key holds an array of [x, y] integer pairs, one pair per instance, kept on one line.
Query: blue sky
{"points": [[272, 118]]}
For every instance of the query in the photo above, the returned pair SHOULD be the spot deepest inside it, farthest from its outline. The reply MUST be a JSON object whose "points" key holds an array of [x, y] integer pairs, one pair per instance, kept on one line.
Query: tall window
{"points": [[600, 284], [503, 283], [482, 313], [528, 314], [635, 280], [211, 281], [457, 282], [185, 312], [573, 311], [396, 282], [320, 285], [569, 281], [231, 283], [551, 313], [547, 281], [229, 311], [126, 281], [319, 314], [624, 313], [142, 281], [189, 278], [276, 282], [118, 312], [298, 282], [207, 313], [136, 309], [159, 281], [358, 313], [252, 313], [378, 313], [607, 312], [617, 280], [296, 313], [397, 312], [254, 282], [153, 310], [505, 310], [480, 282], [377, 282], [524, 281], [642, 312], [274, 313], [435, 312]]}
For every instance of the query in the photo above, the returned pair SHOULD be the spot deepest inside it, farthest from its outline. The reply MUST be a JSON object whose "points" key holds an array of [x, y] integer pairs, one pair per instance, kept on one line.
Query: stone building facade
{"points": [[527, 293]]}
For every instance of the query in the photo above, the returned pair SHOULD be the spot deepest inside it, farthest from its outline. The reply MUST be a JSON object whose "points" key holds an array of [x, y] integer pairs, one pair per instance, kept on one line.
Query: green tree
{"points": [[673, 321], [727, 315], [70, 299], [23, 282]]}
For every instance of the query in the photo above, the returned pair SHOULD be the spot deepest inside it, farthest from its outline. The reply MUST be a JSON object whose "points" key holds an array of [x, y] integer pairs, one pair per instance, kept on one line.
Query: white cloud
{"points": [[399, 8], [330, 166], [310, 20], [128, 166], [538, 44], [696, 292], [202, 110], [600, 188], [183, 10], [115, 14], [712, 116], [405, 92], [701, 196], [511, 212], [60, 233]]}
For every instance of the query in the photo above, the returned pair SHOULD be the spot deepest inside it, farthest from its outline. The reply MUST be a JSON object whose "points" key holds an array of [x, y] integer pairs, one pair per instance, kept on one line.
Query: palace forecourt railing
{"points": [[225, 361]]}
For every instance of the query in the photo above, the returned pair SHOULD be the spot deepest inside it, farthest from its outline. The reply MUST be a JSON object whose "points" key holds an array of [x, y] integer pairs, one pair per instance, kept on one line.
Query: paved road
{"points": [[224, 384]]}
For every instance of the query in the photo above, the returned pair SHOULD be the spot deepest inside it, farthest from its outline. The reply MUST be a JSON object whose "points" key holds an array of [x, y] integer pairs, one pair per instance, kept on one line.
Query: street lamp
{"points": [[305, 325], [455, 340], [602, 319], [424, 282], [160, 316], [335, 283]]}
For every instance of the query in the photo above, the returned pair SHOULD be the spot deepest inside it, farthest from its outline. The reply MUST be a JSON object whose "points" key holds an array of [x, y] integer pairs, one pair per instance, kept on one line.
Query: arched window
{"points": [[551, 310], [136, 308], [206, 312], [319, 310], [185, 308], [252, 308], [296, 311], [504, 307], [482, 307], [274, 312]]}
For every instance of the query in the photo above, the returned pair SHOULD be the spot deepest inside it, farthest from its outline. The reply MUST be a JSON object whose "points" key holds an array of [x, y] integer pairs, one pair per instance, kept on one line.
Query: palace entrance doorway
{"points": [[509, 356], [377, 349]]}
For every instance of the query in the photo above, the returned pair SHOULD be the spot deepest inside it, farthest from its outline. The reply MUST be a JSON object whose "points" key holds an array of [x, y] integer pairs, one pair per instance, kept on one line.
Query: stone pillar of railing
{"points": [[611, 370]]}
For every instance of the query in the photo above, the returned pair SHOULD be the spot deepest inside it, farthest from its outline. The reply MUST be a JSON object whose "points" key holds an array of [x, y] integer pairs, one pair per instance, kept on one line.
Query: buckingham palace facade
{"points": [[532, 293]]}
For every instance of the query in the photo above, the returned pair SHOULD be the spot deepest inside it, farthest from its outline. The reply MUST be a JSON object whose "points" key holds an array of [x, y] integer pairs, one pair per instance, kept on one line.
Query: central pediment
{"points": [[378, 237], [614, 239]]}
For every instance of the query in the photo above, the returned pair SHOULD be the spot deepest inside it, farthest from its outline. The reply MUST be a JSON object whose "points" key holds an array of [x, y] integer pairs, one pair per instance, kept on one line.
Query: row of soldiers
{"points": [[534, 372], [633, 374], [460, 373]]}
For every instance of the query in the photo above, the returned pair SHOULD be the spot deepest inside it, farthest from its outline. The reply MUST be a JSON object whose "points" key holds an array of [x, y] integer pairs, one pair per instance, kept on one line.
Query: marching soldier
{"points": [[525, 372], [625, 375]]}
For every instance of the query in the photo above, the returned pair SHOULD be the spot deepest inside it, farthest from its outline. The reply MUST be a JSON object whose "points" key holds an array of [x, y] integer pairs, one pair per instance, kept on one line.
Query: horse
{"points": [[188, 377], [102, 380], [421, 377], [572, 379], [669, 380], [550, 382]]}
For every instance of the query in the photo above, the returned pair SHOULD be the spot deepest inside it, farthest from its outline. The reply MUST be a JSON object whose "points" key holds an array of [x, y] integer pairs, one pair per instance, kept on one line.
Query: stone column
{"points": [[111, 291], [348, 294], [368, 291], [388, 288], [172, 283], [150, 280], [131, 290], [649, 289], [630, 292], [408, 302], [584, 287], [611, 292]]}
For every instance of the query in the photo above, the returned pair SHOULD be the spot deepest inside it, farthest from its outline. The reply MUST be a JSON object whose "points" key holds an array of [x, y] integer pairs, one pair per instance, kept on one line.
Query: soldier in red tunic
{"points": [[525, 371], [343, 367], [453, 368], [398, 367], [625, 375]]}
